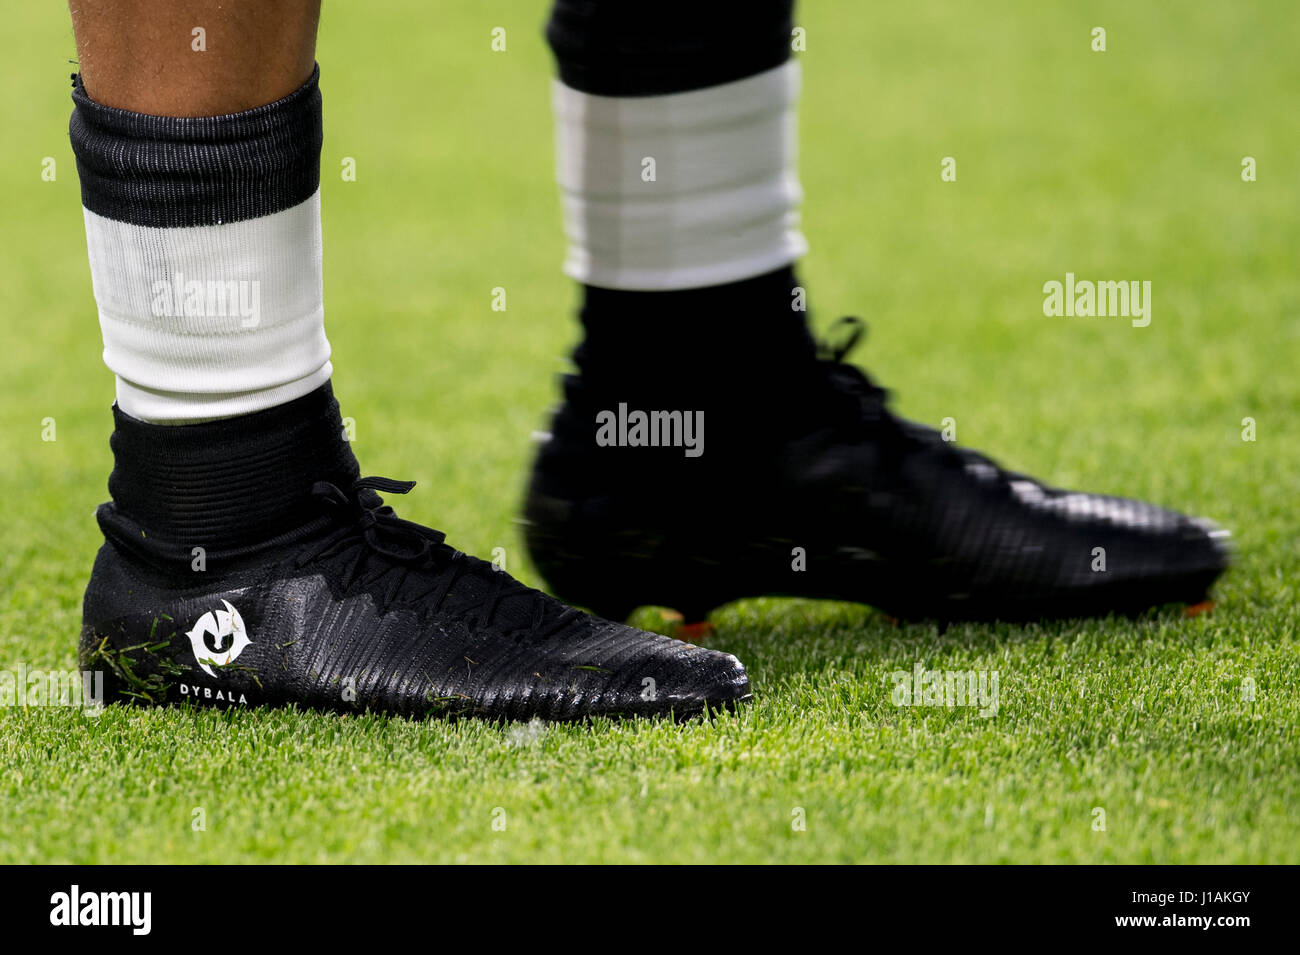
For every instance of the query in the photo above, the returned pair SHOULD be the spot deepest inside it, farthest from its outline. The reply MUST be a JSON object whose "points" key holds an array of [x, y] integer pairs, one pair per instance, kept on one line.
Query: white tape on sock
{"points": [[680, 191], [211, 321]]}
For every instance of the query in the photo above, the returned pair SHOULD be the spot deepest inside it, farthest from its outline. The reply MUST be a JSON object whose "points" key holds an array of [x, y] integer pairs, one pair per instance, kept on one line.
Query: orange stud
{"points": [[1195, 610], [695, 632]]}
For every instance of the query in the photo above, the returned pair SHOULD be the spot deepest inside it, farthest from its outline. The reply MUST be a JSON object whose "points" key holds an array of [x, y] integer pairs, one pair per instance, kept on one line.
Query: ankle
{"points": [[229, 484]]}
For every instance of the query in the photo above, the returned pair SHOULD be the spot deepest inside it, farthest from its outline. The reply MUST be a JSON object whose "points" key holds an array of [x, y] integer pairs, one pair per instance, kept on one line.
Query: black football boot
{"points": [[816, 489], [246, 564]]}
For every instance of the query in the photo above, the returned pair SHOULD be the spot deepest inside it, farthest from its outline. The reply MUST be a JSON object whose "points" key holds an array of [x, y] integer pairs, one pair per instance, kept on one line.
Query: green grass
{"points": [[1124, 164]]}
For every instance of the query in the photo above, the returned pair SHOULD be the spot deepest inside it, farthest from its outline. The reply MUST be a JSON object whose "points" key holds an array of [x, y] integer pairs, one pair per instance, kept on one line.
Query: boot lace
{"points": [[393, 558], [867, 410]]}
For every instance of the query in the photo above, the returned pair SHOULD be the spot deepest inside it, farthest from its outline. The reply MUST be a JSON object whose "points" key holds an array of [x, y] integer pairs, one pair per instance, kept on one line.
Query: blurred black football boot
{"points": [[245, 563], [807, 485]]}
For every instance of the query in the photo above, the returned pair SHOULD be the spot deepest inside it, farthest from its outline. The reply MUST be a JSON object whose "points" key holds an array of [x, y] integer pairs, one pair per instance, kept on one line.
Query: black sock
{"points": [[616, 48], [228, 486], [693, 340]]}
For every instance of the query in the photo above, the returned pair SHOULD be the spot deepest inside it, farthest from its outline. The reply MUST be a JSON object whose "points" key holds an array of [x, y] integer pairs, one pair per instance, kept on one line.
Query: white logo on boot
{"points": [[218, 639]]}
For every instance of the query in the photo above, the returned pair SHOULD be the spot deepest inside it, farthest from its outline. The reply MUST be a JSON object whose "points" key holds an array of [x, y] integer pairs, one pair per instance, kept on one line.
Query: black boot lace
{"points": [[867, 410], [392, 559]]}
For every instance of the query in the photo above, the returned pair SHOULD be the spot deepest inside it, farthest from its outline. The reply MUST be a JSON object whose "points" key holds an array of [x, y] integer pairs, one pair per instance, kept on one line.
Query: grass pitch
{"points": [[1117, 165]]}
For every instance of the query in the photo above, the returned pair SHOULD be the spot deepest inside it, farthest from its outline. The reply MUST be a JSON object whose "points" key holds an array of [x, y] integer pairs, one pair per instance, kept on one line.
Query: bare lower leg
{"points": [[191, 58]]}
